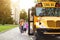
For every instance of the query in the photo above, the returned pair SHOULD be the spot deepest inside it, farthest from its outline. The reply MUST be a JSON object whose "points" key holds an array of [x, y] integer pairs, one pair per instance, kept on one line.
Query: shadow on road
{"points": [[48, 38]]}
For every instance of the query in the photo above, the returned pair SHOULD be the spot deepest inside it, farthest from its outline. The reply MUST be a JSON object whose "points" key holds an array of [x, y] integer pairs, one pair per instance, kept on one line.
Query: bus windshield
{"points": [[47, 11]]}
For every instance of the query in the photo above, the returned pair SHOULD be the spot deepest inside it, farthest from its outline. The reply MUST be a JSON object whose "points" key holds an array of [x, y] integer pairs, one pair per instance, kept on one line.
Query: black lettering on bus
{"points": [[52, 4], [47, 4]]}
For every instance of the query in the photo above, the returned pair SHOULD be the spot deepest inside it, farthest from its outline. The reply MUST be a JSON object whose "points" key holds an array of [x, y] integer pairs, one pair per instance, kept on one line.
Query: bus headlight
{"points": [[39, 25]]}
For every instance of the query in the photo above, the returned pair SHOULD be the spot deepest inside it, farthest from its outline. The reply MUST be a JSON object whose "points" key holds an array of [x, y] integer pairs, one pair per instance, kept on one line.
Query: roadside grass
{"points": [[6, 27]]}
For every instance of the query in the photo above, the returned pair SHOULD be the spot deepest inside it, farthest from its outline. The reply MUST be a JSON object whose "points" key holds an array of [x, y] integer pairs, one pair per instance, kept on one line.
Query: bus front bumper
{"points": [[51, 32]]}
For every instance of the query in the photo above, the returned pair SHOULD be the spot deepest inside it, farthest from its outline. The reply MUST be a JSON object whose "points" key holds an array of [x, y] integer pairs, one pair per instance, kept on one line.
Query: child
{"points": [[21, 25], [25, 26]]}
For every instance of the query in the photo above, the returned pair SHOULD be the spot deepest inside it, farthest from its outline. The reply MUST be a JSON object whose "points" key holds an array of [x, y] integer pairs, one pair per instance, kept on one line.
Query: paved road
{"points": [[14, 34]]}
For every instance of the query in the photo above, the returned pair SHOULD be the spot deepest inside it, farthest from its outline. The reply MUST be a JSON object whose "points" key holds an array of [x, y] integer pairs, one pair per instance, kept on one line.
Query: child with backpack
{"points": [[25, 26], [21, 23]]}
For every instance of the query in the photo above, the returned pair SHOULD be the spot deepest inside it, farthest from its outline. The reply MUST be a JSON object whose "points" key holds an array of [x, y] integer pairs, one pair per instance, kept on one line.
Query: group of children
{"points": [[23, 25]]}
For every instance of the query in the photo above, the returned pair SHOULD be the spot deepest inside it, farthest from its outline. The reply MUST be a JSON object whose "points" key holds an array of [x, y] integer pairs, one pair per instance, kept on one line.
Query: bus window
{"points": [[47, 11]]}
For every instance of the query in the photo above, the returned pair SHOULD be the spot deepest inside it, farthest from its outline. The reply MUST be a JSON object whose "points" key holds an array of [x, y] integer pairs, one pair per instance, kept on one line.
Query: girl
{"points": [[21, 25]]}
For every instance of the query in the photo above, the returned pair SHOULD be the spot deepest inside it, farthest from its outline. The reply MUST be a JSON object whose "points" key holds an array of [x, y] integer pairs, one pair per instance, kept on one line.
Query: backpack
{"points": [[25, 26]]}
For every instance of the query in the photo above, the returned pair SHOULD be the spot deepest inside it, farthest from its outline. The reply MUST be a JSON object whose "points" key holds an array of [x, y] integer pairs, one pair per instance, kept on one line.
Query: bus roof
{"points": [[48, 4]]}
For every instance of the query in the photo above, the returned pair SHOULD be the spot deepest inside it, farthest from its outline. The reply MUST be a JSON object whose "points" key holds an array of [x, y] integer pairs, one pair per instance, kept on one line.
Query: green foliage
{"points": [[5, 12], [23, 14]]}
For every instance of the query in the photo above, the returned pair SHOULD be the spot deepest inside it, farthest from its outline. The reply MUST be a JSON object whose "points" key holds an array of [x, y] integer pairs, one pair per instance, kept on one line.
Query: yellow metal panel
{"points": [[41, 0], [48, 4], [38, 1], [48, 22], [42, 21]]}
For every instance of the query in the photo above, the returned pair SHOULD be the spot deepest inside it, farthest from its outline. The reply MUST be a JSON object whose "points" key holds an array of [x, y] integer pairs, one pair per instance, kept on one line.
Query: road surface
{"points": [[14, 34]]}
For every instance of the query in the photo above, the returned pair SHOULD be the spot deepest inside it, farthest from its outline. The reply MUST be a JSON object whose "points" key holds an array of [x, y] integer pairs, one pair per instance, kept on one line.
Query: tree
{"points": [[5, 11], [23, 14]]}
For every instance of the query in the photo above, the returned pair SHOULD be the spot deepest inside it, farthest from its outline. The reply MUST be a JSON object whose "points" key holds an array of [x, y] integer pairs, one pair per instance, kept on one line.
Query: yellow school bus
{"points": [[46, 20]]}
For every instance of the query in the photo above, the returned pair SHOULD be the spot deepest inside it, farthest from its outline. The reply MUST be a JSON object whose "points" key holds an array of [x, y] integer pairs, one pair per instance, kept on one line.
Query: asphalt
{"points": [[14, 34]]}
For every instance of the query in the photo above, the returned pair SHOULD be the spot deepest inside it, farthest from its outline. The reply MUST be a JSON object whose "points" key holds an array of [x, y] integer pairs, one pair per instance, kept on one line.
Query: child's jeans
{"points": [[21, 29]]}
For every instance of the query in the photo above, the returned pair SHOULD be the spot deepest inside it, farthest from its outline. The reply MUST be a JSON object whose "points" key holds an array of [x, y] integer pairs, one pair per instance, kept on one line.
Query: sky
{"points": [[24, 4], [20, 4]]}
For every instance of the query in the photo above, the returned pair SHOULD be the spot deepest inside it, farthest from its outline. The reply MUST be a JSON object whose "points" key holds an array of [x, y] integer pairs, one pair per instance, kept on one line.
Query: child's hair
{"points": [[22, 20]]}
